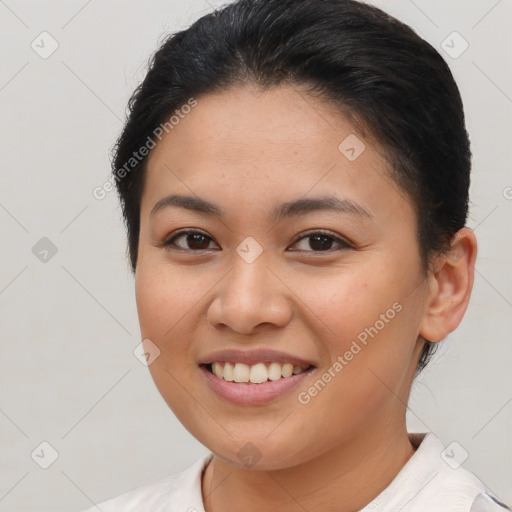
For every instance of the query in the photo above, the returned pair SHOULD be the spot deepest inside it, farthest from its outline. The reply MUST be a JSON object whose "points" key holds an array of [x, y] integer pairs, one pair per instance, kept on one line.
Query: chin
{"points": [[259, 454]]}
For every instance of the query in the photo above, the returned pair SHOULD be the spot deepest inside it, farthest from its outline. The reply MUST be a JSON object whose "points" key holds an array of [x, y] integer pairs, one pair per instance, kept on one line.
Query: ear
{"points": [[450, 282]]}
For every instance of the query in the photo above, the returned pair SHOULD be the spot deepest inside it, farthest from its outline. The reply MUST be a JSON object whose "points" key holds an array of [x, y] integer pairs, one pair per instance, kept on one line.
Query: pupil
{"points": [[195, 239], [316, 238]]}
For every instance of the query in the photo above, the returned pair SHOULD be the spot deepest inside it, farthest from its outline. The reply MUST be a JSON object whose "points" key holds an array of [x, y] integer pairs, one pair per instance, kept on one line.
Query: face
{"points": [[334, 289]]}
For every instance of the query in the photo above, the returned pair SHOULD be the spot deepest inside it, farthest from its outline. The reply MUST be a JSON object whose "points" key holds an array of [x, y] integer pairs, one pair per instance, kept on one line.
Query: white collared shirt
{"points": [[426, 483]]}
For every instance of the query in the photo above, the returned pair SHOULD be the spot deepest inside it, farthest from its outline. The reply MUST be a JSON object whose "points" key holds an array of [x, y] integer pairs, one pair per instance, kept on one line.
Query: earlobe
{"points": [[450, 285]]}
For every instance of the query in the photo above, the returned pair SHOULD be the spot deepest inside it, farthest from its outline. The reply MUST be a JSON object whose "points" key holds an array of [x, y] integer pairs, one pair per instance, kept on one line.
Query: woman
{"points": [[294, 179]]}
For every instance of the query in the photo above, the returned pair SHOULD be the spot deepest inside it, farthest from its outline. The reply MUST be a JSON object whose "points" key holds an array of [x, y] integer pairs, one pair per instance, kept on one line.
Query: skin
{"points": [[246, 151]]}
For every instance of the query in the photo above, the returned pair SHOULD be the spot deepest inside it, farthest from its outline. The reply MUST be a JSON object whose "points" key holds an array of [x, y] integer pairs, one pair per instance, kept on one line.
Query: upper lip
{"points": [[252, 357]]}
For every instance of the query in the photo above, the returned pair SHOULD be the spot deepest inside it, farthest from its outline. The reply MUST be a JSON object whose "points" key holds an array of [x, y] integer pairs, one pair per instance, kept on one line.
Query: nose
{"points": [[249, 297]]}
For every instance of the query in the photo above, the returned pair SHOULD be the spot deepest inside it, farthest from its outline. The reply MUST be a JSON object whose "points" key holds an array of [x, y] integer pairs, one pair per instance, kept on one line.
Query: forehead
{"points": [[272, 143], [242, 122]]}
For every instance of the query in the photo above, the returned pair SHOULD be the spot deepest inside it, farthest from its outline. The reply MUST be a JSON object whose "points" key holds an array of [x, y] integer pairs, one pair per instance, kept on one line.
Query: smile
{"points": [[256, 373], [254, 384]]}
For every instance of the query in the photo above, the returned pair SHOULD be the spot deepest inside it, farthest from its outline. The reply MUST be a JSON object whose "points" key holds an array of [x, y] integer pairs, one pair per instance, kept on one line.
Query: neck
{"points": [[343, 479]]}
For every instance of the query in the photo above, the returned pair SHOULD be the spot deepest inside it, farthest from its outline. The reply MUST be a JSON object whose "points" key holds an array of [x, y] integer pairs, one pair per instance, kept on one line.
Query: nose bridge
{"points": [[251, 294], [249, 277]]}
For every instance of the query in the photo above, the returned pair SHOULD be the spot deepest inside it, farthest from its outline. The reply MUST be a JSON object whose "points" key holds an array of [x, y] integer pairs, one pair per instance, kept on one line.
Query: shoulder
{"points": [[452, 487], [157, 496], [487, 503], [152, 496], [433, 480]]}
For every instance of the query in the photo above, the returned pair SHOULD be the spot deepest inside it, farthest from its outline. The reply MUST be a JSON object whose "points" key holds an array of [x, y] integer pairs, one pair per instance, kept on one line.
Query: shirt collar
{"points": [[418, 471]]}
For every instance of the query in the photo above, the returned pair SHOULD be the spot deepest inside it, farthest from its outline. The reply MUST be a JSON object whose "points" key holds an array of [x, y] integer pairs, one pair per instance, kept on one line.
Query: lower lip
{"points": [[247, 393]]}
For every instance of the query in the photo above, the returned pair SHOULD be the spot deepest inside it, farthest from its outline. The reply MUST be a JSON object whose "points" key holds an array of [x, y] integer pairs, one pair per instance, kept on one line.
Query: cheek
{"points": [[362, 380], [163, 301], [344, 304], [369, 320], [163, 298]]}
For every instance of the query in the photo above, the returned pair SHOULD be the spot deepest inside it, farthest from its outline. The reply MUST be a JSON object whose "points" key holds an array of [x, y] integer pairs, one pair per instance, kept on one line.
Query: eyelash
{"points": [[169, 243]]}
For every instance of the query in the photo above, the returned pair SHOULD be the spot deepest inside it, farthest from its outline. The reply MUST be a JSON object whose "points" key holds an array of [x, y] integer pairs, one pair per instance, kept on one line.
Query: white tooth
{"points": [[228, 372], [217, 369], [274, 371], [287, 369], [298, 369], [258, 373], [241, 372]]}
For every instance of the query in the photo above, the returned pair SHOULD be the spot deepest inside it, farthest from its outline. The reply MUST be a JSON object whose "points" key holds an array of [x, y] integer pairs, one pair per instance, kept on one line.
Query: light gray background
{"points": [[69, 326]]}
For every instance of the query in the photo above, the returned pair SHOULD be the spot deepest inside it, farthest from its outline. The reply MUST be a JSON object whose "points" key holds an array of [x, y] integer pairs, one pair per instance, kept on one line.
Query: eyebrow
{"points": [[281, 211]]}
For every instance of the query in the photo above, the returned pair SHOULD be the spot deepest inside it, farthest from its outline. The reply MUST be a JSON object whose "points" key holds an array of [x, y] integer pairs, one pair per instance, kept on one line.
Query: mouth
{"points": [[254, 377], [255, 384], [258, 373]]}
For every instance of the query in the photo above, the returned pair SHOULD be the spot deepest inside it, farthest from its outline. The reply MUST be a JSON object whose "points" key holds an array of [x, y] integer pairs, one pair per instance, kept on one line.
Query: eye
{"points": [[196, 240], [322, 241]]}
